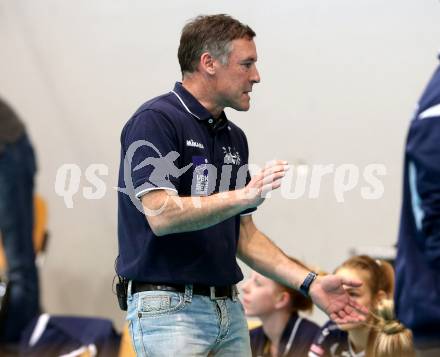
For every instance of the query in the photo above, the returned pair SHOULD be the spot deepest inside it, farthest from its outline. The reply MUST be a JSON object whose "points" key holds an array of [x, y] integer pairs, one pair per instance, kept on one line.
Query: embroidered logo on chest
{"points": [[232, 156], [194, 144]]}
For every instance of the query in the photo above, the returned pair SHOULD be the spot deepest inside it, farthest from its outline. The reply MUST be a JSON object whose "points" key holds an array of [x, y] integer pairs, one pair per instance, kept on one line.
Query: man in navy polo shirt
{"points": [[418, 256], [185, 206]]}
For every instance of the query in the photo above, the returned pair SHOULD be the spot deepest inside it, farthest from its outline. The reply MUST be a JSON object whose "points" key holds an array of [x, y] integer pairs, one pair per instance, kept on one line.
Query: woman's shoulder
{"points": [[309, 324], [329, 341]]}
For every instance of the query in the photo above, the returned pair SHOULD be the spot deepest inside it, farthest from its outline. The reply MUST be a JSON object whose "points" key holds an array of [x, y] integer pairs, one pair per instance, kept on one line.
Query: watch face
{"points": [[305, 286]]}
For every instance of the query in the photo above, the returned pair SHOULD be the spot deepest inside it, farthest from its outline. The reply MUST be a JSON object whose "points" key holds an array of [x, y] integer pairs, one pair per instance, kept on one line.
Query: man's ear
{"points": [[207, 63]]}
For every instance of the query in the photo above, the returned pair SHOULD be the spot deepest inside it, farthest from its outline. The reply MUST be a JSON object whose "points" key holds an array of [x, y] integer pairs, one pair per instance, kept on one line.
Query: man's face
{"points": [[234, 80]]}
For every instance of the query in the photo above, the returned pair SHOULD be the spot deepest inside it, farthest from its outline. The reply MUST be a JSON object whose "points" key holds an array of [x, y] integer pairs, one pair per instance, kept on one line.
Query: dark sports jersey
{"points": [[295, 341], [332, 342]]}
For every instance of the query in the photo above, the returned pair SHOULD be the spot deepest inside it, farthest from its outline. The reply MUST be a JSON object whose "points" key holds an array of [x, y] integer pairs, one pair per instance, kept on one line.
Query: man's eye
{"points": [[247, 64]]}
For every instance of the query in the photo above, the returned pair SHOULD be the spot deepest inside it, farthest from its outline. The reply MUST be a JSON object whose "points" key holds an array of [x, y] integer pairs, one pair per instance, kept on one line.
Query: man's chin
{"points": [[242, 108], [240, 105]]}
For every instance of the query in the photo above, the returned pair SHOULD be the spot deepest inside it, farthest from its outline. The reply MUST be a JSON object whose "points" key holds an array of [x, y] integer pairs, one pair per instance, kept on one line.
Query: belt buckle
{"points": [[213, 296]]}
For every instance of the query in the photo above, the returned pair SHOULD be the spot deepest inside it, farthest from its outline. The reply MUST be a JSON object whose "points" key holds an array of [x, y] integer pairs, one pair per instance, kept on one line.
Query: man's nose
{"points": [[255, 76]]}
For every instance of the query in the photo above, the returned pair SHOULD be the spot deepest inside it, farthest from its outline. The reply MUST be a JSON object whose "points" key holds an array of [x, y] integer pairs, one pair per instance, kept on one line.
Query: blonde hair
{"points": [[390, 338], [380, 273]]}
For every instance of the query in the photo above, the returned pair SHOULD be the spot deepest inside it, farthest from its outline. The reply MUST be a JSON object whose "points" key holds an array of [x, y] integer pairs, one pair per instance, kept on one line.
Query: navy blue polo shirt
{"points": [[172, 142]]}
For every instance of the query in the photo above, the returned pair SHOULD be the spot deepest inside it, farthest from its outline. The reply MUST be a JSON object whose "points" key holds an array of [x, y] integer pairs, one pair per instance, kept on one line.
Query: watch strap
{"points": [[305, 286]]}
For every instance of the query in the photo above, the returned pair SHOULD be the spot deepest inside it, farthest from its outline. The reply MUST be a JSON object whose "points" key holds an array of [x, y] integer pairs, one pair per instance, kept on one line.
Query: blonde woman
{"points": [[380, 335]]}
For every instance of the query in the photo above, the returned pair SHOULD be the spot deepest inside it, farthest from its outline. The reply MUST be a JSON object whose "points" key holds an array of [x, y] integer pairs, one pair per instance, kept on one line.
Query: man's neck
{"points": [[201, 90]]}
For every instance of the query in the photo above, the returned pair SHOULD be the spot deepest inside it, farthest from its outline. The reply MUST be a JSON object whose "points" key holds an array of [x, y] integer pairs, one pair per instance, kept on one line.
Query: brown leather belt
{"points": [[214, 292]]}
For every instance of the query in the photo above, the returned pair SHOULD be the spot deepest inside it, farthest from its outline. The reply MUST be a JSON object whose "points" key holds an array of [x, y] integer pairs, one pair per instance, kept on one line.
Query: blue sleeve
{"points": [[151, 147], [423, 153]]}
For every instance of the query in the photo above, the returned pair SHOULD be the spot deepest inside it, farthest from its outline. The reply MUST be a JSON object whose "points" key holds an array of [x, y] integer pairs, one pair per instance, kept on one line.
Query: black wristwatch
{"points": [[305, 286]]}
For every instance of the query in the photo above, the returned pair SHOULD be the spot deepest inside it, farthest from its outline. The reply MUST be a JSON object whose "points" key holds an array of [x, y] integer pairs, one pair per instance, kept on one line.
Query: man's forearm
{"points": [[169, 214], [261, 254]]}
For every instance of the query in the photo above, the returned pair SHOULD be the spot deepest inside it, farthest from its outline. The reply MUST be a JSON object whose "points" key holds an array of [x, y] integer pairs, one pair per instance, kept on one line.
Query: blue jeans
{"points": [[164, 323], [17, 170]]}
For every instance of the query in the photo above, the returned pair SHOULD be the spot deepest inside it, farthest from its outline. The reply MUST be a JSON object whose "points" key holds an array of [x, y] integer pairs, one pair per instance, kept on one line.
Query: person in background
{"points": [[283, 332], [418, 248], [17, 171], [374, 336]]}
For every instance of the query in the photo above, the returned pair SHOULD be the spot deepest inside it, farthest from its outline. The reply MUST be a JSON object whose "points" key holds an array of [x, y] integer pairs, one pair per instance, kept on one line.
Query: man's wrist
{"points": [[305, 286], [243, 197]]}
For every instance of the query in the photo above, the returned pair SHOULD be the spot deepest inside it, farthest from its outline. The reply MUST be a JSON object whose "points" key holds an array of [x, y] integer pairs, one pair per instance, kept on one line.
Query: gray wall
{"points": [[339, 82]]}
